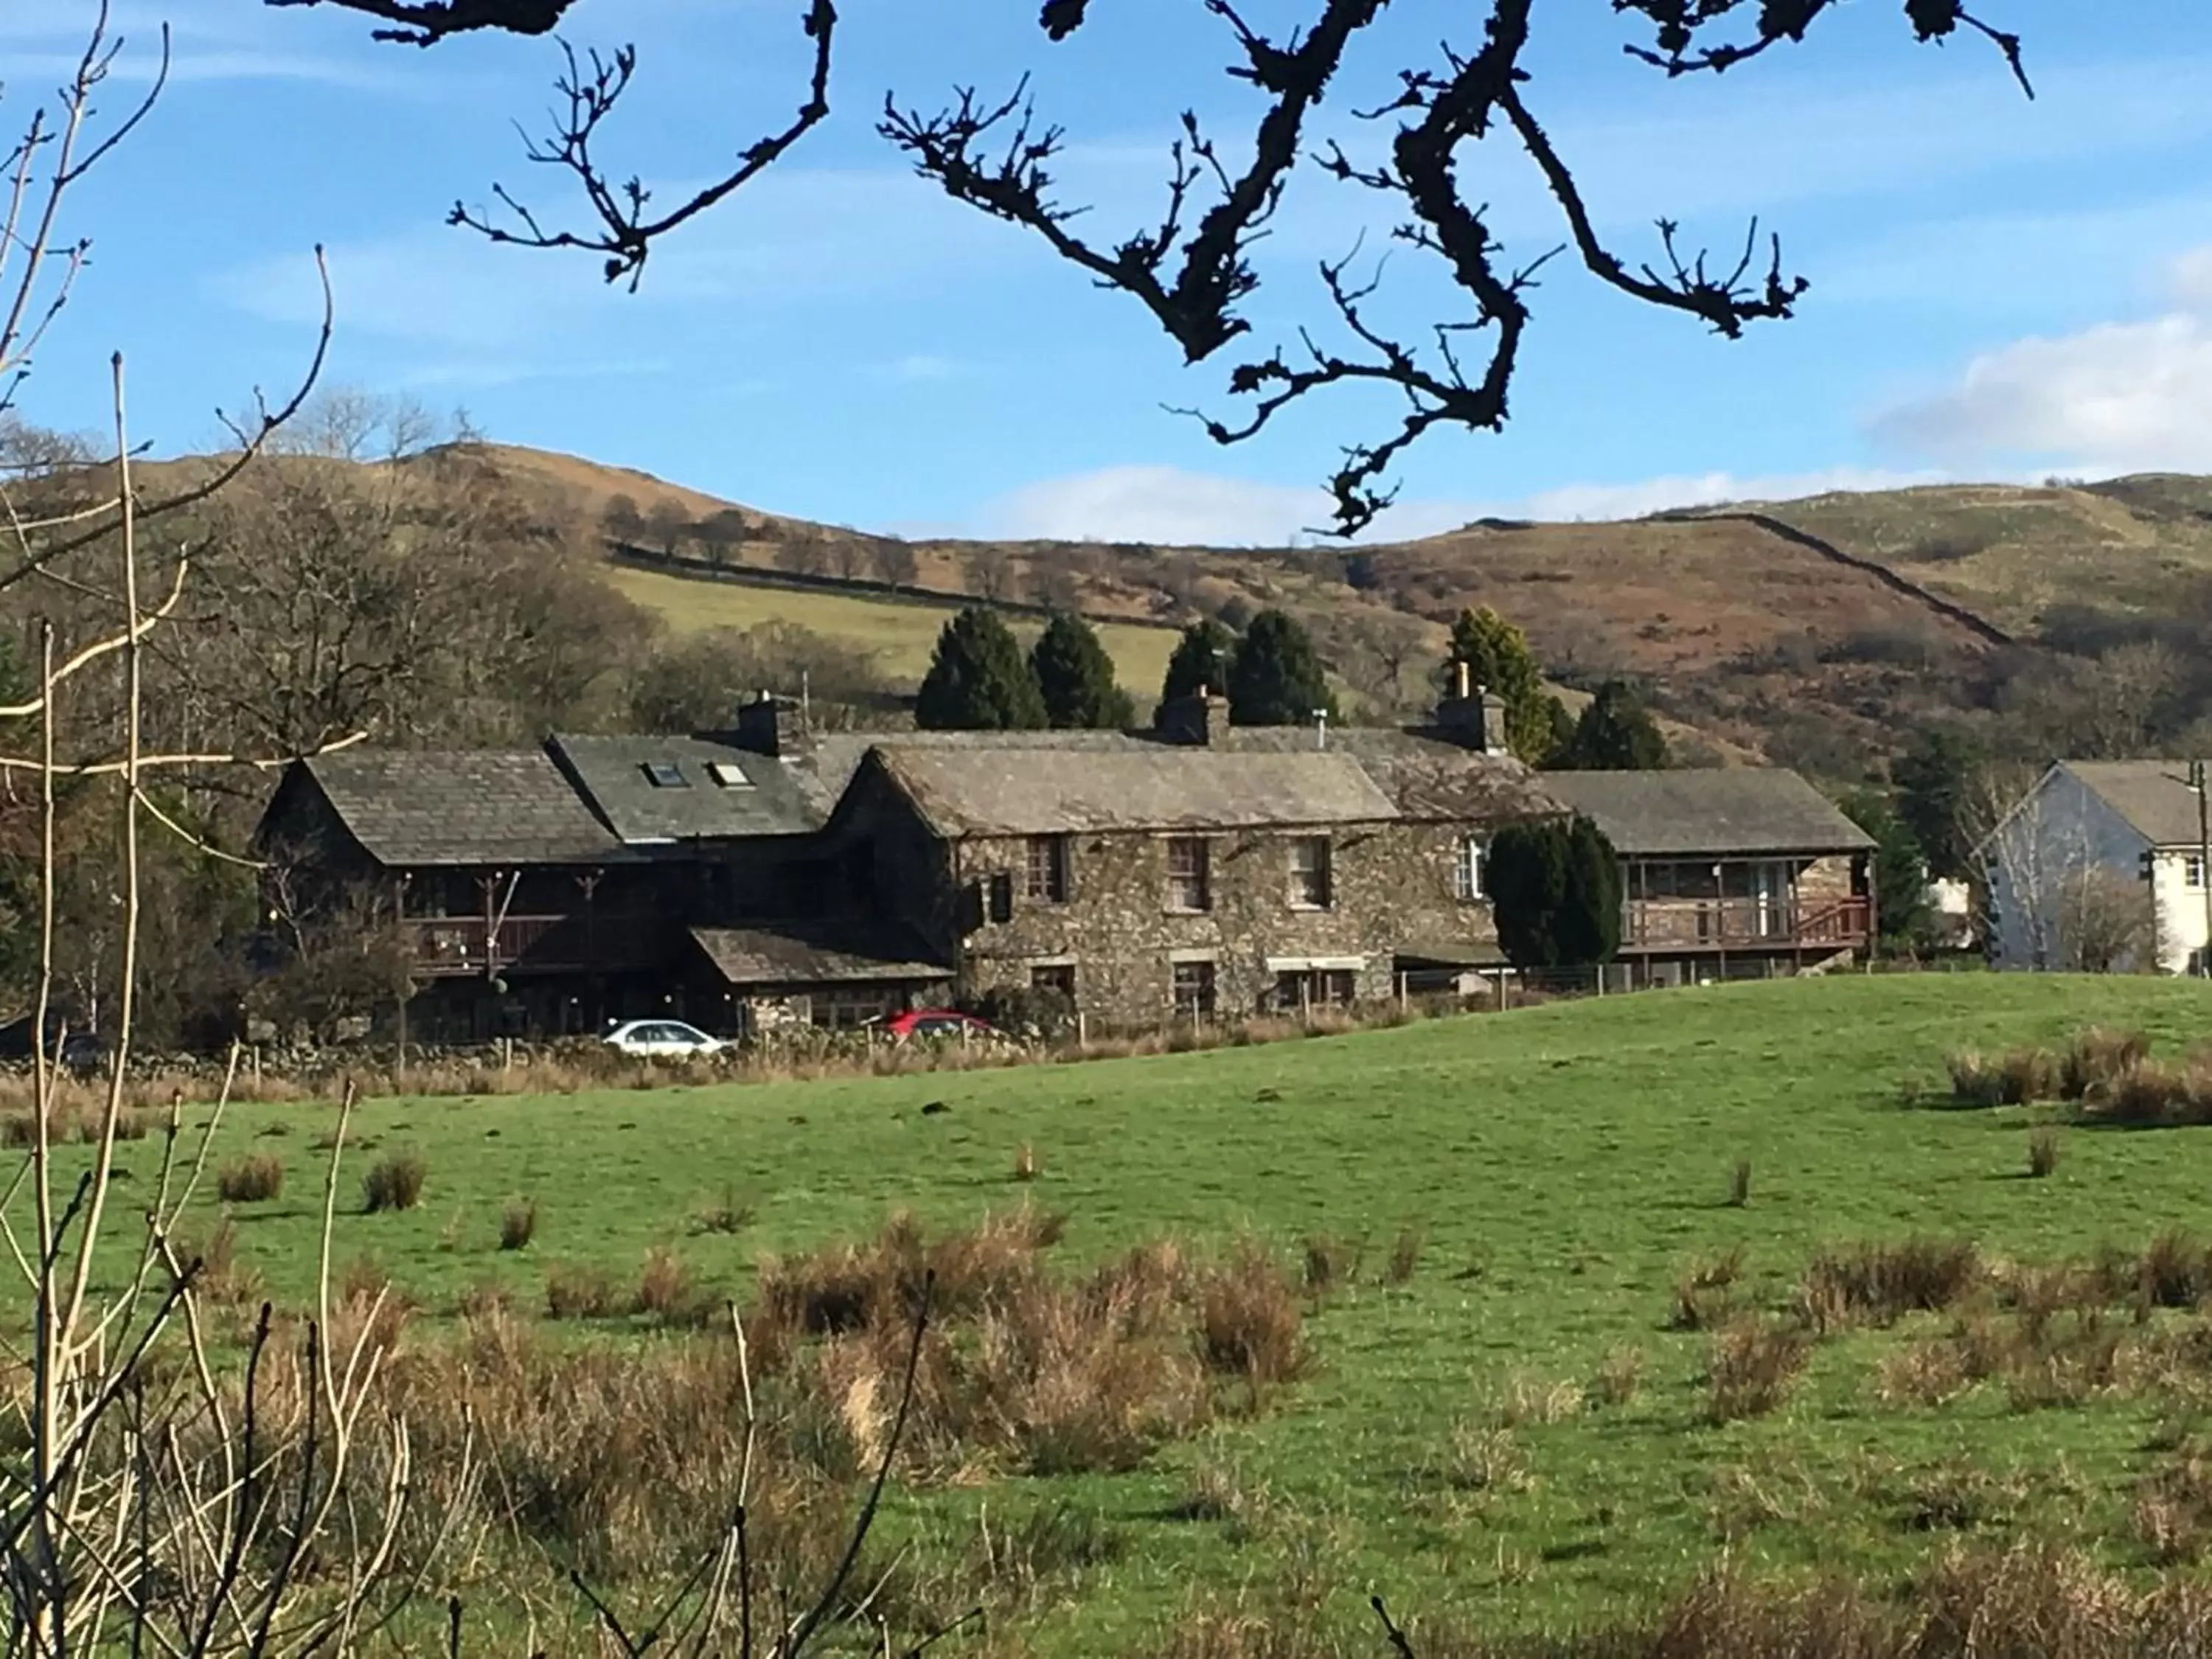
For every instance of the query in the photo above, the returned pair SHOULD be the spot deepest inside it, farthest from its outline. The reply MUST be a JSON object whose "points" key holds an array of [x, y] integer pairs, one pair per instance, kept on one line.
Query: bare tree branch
{"points": [[626, 231], [426, 22]]}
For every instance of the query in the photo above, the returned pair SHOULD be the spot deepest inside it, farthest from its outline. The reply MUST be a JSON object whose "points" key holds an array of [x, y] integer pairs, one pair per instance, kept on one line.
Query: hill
{"points": [[1814, 632], [1517, 1430]]}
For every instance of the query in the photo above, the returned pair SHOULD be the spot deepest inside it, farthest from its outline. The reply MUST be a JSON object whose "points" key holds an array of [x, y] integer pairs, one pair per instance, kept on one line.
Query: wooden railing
{"points": [[455, 946], [1745, 924]]}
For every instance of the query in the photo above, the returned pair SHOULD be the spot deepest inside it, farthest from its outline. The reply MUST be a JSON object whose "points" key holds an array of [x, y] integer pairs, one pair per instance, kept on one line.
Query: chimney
{"points": [[1472, 717], [772, 726], [1199, 717]]}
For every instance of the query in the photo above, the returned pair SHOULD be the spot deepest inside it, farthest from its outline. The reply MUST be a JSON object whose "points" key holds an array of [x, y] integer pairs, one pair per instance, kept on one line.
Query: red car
{"points": [[941, 1022]]}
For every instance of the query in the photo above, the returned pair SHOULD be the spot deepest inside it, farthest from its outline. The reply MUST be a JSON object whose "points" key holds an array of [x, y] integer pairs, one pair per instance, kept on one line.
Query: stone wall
{"points": [[1390, 885]]}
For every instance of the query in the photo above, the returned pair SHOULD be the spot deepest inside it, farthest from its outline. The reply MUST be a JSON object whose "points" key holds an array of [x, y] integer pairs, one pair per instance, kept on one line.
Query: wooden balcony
{"points": [[1745, 924], [453, 947]]}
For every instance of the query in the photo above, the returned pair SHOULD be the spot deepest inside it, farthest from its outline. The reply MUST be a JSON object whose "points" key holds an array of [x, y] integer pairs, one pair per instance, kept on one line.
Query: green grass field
{"points": [[1567, 1161], [900, 633]]}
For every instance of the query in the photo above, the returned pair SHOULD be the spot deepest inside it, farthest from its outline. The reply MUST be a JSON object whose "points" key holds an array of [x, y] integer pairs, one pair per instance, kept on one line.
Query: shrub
{"points": [[2042, 1152], [1879, 1284], [221, 1276], [577, 1291], [253, 1180], [394, 1182], [1752, 1367], [518, 1224], [2013, 1079]]}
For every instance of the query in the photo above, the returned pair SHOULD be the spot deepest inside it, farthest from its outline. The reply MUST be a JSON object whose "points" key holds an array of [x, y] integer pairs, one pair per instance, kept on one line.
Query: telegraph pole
{"points": [[2197, 781]]}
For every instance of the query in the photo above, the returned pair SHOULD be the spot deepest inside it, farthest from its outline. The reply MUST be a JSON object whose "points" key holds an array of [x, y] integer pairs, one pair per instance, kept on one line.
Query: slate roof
{"points": [[612, 773], [1723, 810], [416, 807], [1429, 777], [799, 953], [1024, 791], [2152, 795]]}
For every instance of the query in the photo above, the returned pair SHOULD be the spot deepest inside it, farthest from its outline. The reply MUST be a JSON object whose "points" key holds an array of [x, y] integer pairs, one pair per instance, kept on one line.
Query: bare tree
{"points": [[666, 524], [896, 562], [2105, 924], [991, 574]]}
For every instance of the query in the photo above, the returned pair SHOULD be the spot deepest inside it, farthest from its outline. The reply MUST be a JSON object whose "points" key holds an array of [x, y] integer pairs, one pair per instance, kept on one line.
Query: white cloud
{"points": [[2126, 396], [1173, 505]]}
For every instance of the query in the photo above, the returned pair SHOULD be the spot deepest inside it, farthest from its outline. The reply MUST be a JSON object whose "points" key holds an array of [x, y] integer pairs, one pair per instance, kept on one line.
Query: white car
{"points": [[662, 1039]]}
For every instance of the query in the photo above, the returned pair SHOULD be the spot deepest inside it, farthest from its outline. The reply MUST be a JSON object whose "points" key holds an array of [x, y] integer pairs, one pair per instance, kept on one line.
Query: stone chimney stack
{"points": [[1201, 718], [772, 726], [1472, 716]]}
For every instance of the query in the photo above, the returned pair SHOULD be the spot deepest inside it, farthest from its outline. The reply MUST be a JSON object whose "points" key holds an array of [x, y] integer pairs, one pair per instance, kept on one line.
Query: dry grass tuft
{"points": [[1879, 1284], [667, 1294], [579, 1291], [2098, 1058], [394, 1182], [1332, 1263], [518, 1224], [1405, 1253], [2175, 1271], [1026, 1162], [1250, 1327], [1751, 1366], [2015, 1078], [1619, 1377], [724, 1215], [1483, 1457], [1739, 1194], [2043, 1152], [1703, 1294], [252, 1180]]}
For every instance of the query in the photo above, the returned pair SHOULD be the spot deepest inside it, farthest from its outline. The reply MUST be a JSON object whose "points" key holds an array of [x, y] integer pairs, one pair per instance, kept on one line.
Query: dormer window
{"points": [[666, 774], [728, 775]]}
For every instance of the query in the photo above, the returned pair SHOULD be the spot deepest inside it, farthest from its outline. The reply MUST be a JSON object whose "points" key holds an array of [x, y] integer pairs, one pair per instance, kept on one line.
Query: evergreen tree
{"points": [[1203, 659], [1498, 660], [1277, 678], [1563, 728], [1616, 734], [1555, 889], [1934, 776], [1903, 915], [978, 679], [1075, 677]]}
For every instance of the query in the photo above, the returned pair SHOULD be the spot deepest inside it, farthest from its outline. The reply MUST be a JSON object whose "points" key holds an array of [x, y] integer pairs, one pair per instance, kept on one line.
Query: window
{"points": [[1313, 987], [666, 774], [1048, 869], [1055, 978], [1310, 872], [1193, 989], [1190, 874], [1001, 891], [1469, 861], [2192, 869], [729, 774]]}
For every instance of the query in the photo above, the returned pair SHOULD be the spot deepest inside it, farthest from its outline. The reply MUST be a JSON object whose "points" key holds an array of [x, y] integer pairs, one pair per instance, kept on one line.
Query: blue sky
{"points": [[2001, 288]]}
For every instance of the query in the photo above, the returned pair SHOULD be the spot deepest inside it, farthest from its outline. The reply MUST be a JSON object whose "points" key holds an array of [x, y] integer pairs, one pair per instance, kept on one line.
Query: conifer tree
{"points": [[978, 679], [1616, 734], [1498, 660], [1201, 661], [1277, 678], [1075, 677]]}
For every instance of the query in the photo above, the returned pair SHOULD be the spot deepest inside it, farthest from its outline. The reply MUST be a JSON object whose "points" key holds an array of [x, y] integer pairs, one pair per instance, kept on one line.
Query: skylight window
{"points": [[666, 774], [729, 774]]}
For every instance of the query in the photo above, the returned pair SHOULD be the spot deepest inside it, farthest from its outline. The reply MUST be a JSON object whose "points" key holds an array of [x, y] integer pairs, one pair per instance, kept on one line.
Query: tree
{"points": [[1616, 734], [1276, 678], [978, 679], [1498, 661], [1200, 662], [1900, 871], [991, 574], [668, 525], [1075, 677], [1933, 778], [896, 562], [1555, 889], [1192, 269]]}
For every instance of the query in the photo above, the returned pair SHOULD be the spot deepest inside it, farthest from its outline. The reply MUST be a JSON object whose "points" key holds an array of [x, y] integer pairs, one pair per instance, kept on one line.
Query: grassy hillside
{"points": [[899, 634], [1567, 1163]]}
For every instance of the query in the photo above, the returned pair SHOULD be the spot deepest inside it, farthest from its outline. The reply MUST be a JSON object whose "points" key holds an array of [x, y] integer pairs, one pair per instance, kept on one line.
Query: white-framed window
{"points": [[1470, 868], [2192, 869], [1310, 883]]}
